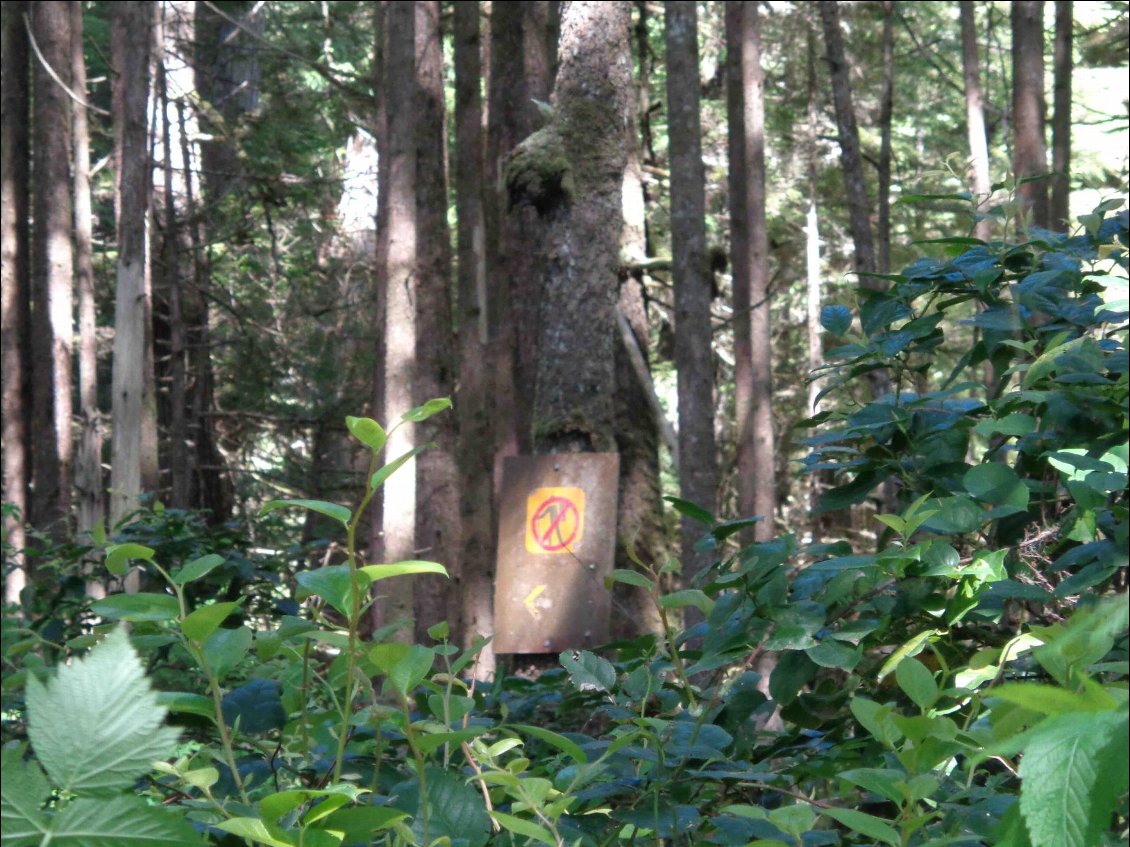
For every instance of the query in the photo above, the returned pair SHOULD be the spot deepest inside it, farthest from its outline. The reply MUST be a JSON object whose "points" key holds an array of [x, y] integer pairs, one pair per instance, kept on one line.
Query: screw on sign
{"points": [[554, 520]]}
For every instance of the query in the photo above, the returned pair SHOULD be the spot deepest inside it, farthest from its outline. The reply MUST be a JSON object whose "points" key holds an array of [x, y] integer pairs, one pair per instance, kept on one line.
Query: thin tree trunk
{"points": [[694, 359], [15, 339], [380, 265], [813, 275], [133, 454], [438, 534], [886, 110], [472, 402], [399, 354], [975, 116], [1060, 214], [855, 186], [1029, 154], [52, 269]]}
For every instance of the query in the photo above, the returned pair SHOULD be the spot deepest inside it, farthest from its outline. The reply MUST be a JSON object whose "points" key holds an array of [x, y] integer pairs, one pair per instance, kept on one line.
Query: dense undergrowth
{"points": [[965, 682]]}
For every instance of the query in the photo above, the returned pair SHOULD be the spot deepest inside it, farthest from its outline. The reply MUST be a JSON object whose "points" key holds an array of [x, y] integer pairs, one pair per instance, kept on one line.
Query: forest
{"points": [[570, 422]]}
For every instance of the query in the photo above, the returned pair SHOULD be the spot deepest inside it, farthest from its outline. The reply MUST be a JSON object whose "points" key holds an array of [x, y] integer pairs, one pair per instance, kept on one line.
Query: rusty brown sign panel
{"points": [[556, 543]]}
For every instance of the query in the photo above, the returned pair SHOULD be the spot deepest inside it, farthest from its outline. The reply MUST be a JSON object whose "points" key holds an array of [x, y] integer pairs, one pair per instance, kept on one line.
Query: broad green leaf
{"points": [[691, 510], [368, 432], [198, 568], [866, 824], [121, 821], [409, 671], [882, 781], [334, 584], [876, 719], [378, 478], [182, 702], [455, 808], [118, 557], [834, 654], [256, 830], [996, 484], [361, 823], [96, 726], [422, 413], [957, 514], [1047, 699], [274, 806], [435, 740], [911, 648], [565, 745], [525, 828], [1016, 423], [203, 621], [256, 705], [795, 819], [375, 573], [225, 648], [23, 791], [137, 607], [836, 319], [917, 682], [331, 510], [628, 577], [687, 597], [1071, 777], [589, 671]]}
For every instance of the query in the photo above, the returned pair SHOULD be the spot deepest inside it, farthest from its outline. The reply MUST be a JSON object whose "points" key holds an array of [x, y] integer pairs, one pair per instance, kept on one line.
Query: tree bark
{"points": [[88, 462], [133, 443], [15, 337], [438, 535], [886, 112], [855, 186], [975, 117], [399, 332], [694, 359], [752, 352], [472, 401], [1060, 212], [52, 270], [1029, 150]]}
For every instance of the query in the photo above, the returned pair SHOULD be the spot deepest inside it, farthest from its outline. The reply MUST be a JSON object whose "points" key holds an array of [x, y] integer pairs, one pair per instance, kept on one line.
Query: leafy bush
{"points": [[965, 682]]}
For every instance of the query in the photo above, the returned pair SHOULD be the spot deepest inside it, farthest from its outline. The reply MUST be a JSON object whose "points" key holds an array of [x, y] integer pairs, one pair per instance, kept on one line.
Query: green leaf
{"points": [[137, 607], [23, 791], [1070, 779], [405, 665], [911, 648], [225, 649], [836, 319], [1017, 424], [203, 621], [916, 680], [96, 726], [274, 806], [996, 484], [866, 824], [691, 510], [957, 514], [331, 510], [589, 671], [422, 413], [378, 478], [256, 830], [123, 821], [334, 584], [361, 823], [520, 826], [1047, 699], [182, 702], [569, 748], [882, 781], [375, 573], [456, 809], [368, 432], [834, 654], [687, 597], [198, 568], [119, 556], [628, 577]]}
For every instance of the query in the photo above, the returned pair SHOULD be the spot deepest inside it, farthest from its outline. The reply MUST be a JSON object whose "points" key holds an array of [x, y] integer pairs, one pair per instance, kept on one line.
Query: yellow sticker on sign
{"points": [[555, 520]]}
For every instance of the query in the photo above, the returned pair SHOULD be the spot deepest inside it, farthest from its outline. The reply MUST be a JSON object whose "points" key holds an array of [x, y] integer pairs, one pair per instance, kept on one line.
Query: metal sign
{"points": [[556, 543]]}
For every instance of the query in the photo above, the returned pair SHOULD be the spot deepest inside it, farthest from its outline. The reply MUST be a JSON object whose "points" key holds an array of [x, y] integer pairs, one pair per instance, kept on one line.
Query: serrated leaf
{"points": [[1066, 793], [589, 671], [422, 413], [123, 821], [23, 791], [368, 432], [198, 568], [118, 557], [204, 621], [836, 319], [331, 510], [375, 573], [97, 726], [137, 607]]}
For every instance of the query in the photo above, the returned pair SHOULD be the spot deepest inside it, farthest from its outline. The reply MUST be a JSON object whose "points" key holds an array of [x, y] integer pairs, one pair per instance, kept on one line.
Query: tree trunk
{"points": [[757, 486], [1060, 213], [52, 270], [813, 275], [133, 443], [1029, 151], [886, 110], [975, 116], [15, 337], [472, 401], [438, 535], [399, 334], [88, 462], [855, 186], [694, 358]]}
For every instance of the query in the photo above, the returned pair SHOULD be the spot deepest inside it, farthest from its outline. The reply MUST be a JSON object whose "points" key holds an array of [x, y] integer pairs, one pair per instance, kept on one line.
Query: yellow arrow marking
{"points": [[531, 600]]}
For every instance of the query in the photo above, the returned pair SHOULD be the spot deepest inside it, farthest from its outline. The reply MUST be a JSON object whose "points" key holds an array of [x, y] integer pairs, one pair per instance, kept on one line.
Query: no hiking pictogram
{"points": [[554, 520]]}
